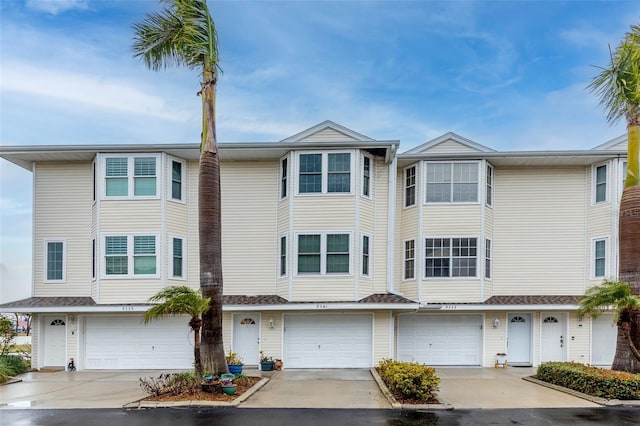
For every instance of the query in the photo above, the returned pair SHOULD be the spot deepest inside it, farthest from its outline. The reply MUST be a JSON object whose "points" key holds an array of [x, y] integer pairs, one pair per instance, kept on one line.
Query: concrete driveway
{"points": [[350, 388]]}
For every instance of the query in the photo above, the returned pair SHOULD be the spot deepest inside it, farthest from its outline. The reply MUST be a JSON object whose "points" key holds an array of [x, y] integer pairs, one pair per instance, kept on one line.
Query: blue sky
{"points": [[510, 75]]}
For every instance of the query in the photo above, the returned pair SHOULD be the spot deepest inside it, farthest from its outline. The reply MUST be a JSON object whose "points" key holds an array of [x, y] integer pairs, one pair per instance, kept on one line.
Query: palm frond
{"points": [[618, 85], [614, 295], [177, 300]]}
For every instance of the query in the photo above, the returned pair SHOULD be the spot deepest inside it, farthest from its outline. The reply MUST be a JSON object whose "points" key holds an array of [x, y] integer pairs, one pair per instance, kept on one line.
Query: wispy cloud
{"points": [[55, 7]]}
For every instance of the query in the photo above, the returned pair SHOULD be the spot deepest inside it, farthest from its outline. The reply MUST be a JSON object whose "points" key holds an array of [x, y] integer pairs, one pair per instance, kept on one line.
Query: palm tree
{"points": [[616, 295], [181, 300], [183, 34], [618, 87]]}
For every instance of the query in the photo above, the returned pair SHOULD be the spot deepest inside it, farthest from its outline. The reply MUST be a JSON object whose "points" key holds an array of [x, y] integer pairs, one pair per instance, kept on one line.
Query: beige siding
{"points": [[133, 290], [454, 289], [328, 135], [193, 239], [380, 193], [227, 325], [35, 341], [130, 216], [249, 227], [449, 147], [494, 338], [539, 249], [62, 211], [323, 288], [324, 212], [452, 220], [382, 343], [579, 339], [271, 338]]}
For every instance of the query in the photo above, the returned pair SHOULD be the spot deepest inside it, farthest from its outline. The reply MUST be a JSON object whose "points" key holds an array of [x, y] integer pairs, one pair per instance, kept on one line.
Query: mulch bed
{"points": [[241, 387]]}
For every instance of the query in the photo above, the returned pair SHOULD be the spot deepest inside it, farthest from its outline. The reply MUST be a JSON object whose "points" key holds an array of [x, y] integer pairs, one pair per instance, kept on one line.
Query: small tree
{"points": [[7, 335], [618, 296], [181, 300]]}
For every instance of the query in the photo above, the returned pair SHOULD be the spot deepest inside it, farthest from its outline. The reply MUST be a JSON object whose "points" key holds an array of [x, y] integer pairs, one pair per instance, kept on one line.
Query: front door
{"points": [[54, 341], [246, 337], [519, 339], [553, 337]]}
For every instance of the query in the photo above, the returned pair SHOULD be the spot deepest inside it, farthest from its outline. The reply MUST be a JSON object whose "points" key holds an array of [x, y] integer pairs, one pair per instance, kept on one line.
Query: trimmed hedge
{"points": [[409, 381], [593, 381]]}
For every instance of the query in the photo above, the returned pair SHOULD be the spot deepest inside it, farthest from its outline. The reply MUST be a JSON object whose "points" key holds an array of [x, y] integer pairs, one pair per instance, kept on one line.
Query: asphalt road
{"points": [[306, 417]]}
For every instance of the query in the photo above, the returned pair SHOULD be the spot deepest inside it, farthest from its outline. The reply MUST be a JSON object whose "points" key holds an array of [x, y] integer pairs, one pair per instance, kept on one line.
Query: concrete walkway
{"points": [[319, 389], [460, 387]]}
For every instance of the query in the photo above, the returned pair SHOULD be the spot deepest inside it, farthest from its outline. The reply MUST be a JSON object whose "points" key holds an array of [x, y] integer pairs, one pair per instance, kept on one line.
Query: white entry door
{"points": [[55, 341], [553, 333], [604, 333], [246, 337], [519, 339]]}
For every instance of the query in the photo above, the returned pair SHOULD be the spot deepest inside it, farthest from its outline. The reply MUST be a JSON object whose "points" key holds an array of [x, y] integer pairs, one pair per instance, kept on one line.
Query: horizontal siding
{"points": [[249, 227], [128, 290], [495, 340], [193, 239], [323, 288], [177, 218], [452, 220], [453, 290], [283, 216], [62, 210], [449, 147], [539, 235], [130, 216], [328, 135], [336, 213], [579, 341], [382, 336]]}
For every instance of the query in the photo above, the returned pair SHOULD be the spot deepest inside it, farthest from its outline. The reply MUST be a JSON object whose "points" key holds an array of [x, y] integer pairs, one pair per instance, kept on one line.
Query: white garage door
{"points": [[440, 339], [327, 341], [603, 340], [124, 342]]}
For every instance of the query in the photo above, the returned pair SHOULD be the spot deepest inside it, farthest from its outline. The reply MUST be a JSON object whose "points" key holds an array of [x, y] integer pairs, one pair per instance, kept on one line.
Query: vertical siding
{"points": [[63, 211], [539, 243]]}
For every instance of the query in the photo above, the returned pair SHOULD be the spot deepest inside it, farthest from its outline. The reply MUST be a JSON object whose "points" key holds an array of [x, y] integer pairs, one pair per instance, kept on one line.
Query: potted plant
{"points": [[234, 362], [266, 362], [227, 386]]}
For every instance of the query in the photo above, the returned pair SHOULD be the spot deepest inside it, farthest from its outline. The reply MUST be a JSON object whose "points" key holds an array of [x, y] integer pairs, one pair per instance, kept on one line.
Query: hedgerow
{"points": [[600, 382], [409, 381]]}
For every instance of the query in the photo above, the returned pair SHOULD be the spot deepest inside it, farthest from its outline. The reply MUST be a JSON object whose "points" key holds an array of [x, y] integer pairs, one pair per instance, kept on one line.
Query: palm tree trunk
{"points": [[210, 233]]}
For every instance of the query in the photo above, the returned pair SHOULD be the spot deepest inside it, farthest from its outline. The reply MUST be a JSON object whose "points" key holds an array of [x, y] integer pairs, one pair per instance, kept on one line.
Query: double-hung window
{"points": [[599, 258], [131, 176], [452, 182], [410, 186], [409, 259], [487, 258], [489, 200], [55, 261], [451, 257], [324, 173], [176, 180], [130, 255], [323, 254], [177, 257], [600, 183], [365, 255], [366, 176], [284, 171], [283, 256]]}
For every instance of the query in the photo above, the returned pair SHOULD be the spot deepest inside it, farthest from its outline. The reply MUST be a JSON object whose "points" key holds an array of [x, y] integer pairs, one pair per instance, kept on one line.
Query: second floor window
{"points": [[599, 258], [452, 182], [55, 257], [324, 173], [410, 186], [409, 259], [284, 171], [126, 253], [366, 176], [489, 185], [176, 180], [451, 257], [323, 254]]}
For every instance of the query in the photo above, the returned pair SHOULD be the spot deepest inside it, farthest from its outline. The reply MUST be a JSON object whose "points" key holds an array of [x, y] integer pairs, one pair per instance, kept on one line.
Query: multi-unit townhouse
{"points": [[338, 251]]}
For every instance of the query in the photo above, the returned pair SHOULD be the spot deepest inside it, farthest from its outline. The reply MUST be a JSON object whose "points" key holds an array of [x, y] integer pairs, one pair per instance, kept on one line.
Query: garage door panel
{"points": [[440, 339], [328, 341], [127, 343]]}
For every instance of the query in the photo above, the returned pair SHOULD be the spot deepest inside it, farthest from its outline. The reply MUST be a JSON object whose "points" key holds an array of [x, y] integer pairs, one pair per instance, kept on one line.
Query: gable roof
{"points": [[619, 143], [449, 143], [328, 131]]}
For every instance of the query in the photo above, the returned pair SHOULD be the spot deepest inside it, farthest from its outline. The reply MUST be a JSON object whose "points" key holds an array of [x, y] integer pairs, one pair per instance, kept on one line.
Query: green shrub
{"points": [[593, 381], [170, 383], [12, 365], [409, 381]]}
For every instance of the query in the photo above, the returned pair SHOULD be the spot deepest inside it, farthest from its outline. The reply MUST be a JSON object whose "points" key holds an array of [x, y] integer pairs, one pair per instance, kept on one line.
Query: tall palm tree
{"points": [[183, 34], [181, 300], [618, 87]]}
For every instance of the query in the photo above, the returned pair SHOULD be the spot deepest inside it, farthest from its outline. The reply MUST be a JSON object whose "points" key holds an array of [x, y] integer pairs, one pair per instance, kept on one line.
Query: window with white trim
{"points": [[451, 257], [489, 200], [599, 258], [452, 182], [283, 256], [366, 176], [323, 254], [409, 260], [324, 173], [177, 179], [93, 258], [131, 177], [624, 175], [600, 183], [177, 264], [365, 255], [130, 255], [284, 172], [410, 186], [487, 258], [55, 258]]}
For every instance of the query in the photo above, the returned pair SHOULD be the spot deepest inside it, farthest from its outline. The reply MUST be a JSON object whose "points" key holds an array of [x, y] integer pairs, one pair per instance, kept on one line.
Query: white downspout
{"points": [[391, 220]]}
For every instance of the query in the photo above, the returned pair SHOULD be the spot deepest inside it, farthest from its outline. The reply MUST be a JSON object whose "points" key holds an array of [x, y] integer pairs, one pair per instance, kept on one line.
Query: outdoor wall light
{"points": [[271, 323], [496, 322]]}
